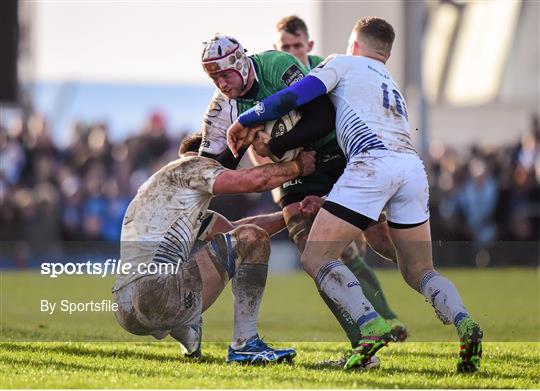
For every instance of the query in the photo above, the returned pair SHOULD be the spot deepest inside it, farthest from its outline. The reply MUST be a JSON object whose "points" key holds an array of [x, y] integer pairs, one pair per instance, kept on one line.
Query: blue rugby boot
{"points": [[256, 351]]}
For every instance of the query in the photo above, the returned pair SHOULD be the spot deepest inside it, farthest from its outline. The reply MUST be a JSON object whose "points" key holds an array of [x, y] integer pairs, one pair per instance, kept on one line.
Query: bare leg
{"points": [[352, 256], [415, 262], [245, 259], [378, 238], [248, 284], [327, 239]]}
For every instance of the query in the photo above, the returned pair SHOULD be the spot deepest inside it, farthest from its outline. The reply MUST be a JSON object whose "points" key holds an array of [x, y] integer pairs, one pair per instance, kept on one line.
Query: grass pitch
{"points": [[505, 302]]}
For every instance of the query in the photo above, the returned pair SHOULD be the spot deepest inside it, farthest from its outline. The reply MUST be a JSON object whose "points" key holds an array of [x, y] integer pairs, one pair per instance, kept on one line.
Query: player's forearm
{"points": [[279, 104], [270, 176], [271, 223], [318, 119]]}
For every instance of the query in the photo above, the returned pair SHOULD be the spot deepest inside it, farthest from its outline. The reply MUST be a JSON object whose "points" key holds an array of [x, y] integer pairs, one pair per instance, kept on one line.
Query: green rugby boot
{"points": [[375, 335], [399, 330], [470, 352]]}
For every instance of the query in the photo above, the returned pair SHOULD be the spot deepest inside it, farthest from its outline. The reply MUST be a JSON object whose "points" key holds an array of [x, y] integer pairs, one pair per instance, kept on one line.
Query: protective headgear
{"points": [[223, 53]]}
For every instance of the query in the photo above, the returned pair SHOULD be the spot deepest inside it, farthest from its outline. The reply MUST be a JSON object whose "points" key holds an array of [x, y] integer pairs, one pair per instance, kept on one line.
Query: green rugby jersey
{"points": [[314, 60], [275, 71]]}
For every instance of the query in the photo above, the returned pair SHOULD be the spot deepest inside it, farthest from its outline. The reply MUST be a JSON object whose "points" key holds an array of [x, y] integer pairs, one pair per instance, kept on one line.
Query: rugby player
{"points": [[242, 81], [383, 172], [292, 36], [161, 226]]}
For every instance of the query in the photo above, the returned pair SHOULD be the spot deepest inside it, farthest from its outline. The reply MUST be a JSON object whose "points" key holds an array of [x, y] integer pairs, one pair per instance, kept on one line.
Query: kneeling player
{"points": [[160, 228]]}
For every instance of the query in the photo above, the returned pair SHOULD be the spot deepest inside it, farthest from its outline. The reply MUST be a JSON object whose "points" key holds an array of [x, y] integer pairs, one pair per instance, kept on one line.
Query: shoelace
{"points": [[262, 343]]}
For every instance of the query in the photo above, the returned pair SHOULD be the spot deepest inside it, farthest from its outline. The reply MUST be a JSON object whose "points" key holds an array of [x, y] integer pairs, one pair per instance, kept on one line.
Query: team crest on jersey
{"points": [[279, 129], [188, 300], [259, 108], [292, 75], [214, 109]]}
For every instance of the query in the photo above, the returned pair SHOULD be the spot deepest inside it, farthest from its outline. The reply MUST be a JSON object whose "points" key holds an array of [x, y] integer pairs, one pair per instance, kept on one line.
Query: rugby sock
{"points": [[248, 288], [346, 322], [343, 288], [444, 297], [371, 287], [188, 336]]}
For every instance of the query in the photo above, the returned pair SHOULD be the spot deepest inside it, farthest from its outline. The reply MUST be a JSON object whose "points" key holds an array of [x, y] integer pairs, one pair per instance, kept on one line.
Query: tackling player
{"points": [[292, 36], [383, 171], [242, 81], [161, 226]]}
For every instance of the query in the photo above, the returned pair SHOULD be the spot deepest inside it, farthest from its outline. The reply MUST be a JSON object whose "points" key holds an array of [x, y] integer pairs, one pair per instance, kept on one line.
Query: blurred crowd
{"points": [[485, 195], [81, 192]]}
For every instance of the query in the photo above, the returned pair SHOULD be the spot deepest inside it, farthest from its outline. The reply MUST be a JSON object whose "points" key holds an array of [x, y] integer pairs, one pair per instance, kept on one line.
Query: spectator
{"points": [[81, 192]]}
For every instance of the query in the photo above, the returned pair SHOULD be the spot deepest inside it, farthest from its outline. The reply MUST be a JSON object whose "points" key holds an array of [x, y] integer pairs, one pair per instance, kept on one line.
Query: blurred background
{"points": [[95, 97]]}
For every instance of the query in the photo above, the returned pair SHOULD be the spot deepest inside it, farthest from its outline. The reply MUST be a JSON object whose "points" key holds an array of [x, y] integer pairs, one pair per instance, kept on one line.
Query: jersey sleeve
{"points": [[330, 71], [208, 172], [194, 173], [220, 114]]}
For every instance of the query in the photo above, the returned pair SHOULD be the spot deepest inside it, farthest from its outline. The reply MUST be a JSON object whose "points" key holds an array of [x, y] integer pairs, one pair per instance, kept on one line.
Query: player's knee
{"points": [[250, 233], [298, 227], [252, 243]]}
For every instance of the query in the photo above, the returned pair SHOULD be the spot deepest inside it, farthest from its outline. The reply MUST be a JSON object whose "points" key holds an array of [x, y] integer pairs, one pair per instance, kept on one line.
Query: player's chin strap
{"points": [[246, 83]]}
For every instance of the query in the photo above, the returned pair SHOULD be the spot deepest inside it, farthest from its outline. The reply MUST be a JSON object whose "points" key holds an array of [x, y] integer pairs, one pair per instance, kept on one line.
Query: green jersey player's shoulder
{"points": [[279, 67], [314, 60], [276, 58]]}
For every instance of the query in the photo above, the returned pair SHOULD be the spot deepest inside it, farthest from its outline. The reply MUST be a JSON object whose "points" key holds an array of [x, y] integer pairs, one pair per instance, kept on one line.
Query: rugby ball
{"points": [[281, 126]]}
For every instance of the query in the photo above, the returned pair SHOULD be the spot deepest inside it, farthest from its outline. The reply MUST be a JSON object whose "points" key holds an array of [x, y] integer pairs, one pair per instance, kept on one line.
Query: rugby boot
{"points": [[375, 335], [256, 351], [399, 330], [470, 352]]}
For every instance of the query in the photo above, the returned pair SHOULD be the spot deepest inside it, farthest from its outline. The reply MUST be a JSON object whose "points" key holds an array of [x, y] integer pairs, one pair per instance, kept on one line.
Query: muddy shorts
{"points": [[156, 304]]}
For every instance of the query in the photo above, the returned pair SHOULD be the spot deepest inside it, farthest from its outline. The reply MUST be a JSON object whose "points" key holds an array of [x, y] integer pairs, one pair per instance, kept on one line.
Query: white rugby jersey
{"points": [[370, 110], [220, 115], [162, 221]]}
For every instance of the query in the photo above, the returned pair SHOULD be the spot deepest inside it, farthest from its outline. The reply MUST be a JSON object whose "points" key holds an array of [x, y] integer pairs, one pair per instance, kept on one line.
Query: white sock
{"points": [[188, 336], [342, 287], [444, 297], [248, 288]]}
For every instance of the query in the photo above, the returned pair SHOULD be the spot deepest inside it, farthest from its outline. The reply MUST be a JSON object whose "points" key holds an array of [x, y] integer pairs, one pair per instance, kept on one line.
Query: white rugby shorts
{"points": [[384, 180]]}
